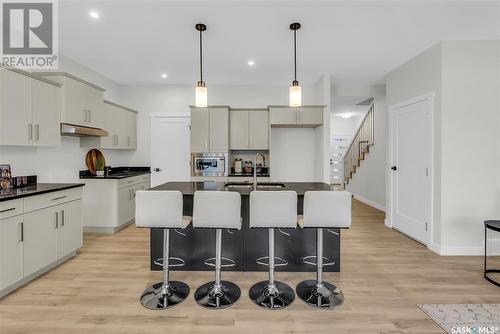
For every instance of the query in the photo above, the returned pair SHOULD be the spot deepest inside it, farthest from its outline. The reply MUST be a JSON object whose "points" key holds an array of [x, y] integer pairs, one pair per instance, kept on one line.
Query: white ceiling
{"points": [[348, 104], [133, 42]]}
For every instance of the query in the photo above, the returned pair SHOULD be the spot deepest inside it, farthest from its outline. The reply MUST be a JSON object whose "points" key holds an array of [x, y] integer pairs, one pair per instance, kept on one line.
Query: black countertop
{"points": [[40, 188], [117, 173], [188, 188]]}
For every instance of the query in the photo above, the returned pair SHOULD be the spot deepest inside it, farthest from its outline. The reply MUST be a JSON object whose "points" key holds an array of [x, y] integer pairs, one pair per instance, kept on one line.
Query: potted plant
{"points": [[99, 167]]}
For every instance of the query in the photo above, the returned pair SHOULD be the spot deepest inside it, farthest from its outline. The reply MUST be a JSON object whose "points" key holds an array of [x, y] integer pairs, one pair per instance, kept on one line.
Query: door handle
{"points": [[394, 168], [56, 220], [158, 170], [20, 232], [30, 132], [62, 218], [37, 132]]}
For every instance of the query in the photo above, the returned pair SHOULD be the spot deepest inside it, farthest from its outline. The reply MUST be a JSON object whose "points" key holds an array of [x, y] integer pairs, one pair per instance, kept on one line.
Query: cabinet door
{"points": [[283, 116], [11, 251], [259, 130], [75, 103], [40, 239], [95, 106], [70, 234], [15, 115], [219, 130], [131, 133], [310, 116], [126, 204], [46, 113], [199, 130], [239, 130], [110, 126]]}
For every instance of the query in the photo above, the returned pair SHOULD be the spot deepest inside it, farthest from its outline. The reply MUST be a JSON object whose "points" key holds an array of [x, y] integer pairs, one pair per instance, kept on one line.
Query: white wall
{"points": [[368, 183], [464, 75], [61, 164]]}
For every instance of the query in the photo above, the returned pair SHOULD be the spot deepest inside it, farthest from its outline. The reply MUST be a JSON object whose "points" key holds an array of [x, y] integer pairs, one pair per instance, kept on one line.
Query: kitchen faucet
{"points": [[255, 169]]}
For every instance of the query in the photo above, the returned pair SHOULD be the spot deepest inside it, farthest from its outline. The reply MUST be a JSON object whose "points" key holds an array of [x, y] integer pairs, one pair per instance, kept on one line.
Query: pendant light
{"points": [[201, 89], [295, 89]]}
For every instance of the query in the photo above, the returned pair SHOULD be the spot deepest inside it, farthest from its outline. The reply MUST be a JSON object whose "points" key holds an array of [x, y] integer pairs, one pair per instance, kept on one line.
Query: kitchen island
{"points": [[194, 246]]}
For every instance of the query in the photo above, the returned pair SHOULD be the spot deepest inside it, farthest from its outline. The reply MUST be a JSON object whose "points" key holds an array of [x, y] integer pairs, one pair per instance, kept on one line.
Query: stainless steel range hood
{"points": [[81, 131]]}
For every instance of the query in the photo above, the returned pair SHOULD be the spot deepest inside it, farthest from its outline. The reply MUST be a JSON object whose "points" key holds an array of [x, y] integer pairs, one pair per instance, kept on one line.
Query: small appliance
{"points": [[209, 164]]}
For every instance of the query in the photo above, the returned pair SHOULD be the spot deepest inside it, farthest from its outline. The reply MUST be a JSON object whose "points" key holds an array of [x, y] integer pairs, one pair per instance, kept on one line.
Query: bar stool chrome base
{"points": [[272, 296], [213, 296], [323, 295], [160, 297]]}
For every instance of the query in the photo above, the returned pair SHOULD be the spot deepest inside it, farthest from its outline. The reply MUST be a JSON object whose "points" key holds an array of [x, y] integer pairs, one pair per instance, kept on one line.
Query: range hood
{"points": [[81, 131]]}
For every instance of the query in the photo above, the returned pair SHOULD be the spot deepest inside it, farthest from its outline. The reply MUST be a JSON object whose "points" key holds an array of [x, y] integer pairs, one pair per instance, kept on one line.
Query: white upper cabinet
{"points": [[309, 116], [29, 110], [81, 101], [210, 129], [121, 124], [249, 130]]}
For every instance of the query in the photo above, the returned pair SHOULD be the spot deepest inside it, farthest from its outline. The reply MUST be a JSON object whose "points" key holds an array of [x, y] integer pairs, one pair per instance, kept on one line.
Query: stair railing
{"points": [[360, 143]]}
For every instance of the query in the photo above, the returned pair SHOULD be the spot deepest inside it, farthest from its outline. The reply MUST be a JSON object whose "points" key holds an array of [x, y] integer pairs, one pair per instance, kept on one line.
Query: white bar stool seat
{"points": [[323, 209], [217, 210], [272, 209], [162, 209]]}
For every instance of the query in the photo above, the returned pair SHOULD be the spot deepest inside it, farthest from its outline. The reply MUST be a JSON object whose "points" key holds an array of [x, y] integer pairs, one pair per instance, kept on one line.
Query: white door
{"points": [[411, 191], [170, 149]]}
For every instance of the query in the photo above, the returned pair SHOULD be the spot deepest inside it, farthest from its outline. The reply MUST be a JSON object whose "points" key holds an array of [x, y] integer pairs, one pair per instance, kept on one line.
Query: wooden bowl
{"points": [[91, 159]]}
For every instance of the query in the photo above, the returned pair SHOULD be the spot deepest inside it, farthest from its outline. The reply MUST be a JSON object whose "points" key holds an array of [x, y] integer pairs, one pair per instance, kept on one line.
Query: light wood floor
{"points": [[384, 275]]}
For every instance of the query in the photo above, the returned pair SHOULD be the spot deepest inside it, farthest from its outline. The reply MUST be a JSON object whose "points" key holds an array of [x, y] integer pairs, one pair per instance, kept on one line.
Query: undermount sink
{"points": [[260, 185], [270, 185]]}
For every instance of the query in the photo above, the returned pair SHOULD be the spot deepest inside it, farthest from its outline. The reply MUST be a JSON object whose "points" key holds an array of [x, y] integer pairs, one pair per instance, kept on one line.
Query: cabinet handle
{"points": [[62, 218], [297, 117], [56, 220], [37, 132], [30, 132], [206, 144], [90, 116], [6, 210], [85, 115], [20, 232], [128, 140], [58, 198]]}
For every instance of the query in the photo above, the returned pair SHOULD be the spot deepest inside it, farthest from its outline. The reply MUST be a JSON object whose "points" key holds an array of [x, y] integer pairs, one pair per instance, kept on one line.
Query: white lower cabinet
{"points": [[118, 210], [46, 231], [11, 251]]}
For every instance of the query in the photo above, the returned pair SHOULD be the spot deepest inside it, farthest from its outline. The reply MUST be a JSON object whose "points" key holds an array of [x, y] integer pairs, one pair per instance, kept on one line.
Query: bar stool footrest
{"points": [[261, 261], [180, 262], [326, 260], [489, 279], [229, 262]]}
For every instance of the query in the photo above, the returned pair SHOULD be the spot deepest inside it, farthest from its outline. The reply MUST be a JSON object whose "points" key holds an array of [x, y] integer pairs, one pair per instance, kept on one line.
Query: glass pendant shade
{"points": [[295, 95], [201, 95]]}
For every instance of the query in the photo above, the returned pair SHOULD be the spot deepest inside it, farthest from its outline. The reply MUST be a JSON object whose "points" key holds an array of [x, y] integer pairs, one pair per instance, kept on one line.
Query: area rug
{"points": [[465, 318]]}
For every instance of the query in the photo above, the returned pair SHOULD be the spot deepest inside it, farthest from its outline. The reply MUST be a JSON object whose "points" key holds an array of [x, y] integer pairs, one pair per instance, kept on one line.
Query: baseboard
{"points": [[106, 229], [40, 272], [493, 249], [387, 223], [370, 202]]}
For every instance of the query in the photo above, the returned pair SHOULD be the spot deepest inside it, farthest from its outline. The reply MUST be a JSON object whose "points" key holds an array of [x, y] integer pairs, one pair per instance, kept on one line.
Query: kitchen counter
{"points": [[40, 188], [117, 173], [247, 244]]}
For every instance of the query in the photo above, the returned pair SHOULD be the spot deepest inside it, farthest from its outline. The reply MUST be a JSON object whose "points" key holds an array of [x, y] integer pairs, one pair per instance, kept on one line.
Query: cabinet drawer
{"points": [[133, 180], [46, 200], [11, 208]]}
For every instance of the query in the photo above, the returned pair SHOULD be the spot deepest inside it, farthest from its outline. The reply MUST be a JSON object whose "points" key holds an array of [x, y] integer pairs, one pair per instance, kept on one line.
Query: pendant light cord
{"points": [[295, 52], [201, 57]]}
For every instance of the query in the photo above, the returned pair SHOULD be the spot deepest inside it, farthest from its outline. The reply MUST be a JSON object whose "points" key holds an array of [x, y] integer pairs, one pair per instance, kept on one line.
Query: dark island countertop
{"points": [[40, 188], [188, 188], [117, 173]]}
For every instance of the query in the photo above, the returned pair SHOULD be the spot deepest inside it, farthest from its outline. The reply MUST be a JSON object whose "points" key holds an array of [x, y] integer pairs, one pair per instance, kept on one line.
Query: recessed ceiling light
{"points": [[93, 14], [164, 75], [251, 63]]}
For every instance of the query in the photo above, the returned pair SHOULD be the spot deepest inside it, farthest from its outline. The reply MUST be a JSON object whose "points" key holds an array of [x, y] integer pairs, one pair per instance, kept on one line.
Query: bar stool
{"points": [[162, 209], [323, 209], [272, 209], [217, 210]]}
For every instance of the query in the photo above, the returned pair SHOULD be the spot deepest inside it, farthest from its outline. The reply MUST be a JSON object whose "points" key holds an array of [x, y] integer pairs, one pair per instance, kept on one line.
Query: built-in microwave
{"points": [[209, 164]]}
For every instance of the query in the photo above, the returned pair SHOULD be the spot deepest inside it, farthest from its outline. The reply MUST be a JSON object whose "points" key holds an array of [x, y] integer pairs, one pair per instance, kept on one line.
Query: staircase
{"points": [[360, 145]]}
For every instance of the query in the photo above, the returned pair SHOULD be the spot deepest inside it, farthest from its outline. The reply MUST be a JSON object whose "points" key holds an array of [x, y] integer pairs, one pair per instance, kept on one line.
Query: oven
{"points": [[209, 164]]}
